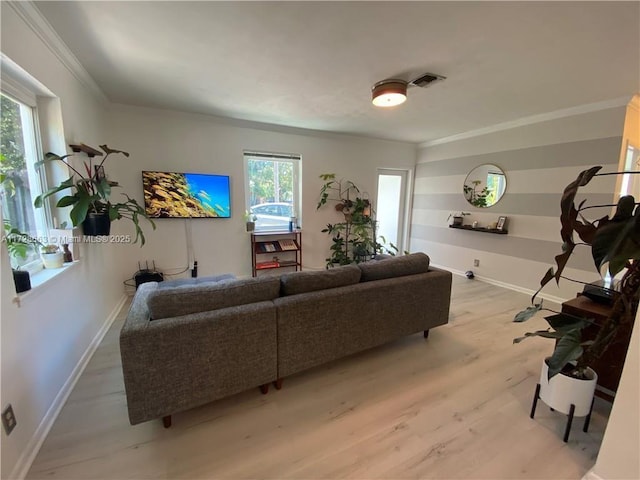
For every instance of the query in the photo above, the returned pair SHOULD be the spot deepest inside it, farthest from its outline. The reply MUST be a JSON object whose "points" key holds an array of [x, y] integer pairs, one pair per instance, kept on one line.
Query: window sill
{"points": [[41, 278]]}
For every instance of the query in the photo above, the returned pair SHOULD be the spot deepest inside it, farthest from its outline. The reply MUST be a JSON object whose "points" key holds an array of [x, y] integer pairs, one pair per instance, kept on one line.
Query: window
{"points": [[273, 189], [19, 152], [631, 164]]}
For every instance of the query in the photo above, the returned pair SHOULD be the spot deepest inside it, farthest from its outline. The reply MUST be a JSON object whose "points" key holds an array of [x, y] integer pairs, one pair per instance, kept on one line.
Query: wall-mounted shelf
{"points": [[480, 229]]}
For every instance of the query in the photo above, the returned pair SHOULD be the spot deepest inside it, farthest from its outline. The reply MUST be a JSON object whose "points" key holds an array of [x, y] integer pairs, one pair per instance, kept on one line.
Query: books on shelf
{"points": [[287, 244], [263, 265], [267, 247]]}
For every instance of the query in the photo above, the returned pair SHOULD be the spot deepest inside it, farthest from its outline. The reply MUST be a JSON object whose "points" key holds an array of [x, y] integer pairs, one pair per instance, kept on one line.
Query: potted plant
{"points": [[52, 257], [18, 245], [615, 248], [250, 220], [354, 239], [90, 195], [458, 217]]}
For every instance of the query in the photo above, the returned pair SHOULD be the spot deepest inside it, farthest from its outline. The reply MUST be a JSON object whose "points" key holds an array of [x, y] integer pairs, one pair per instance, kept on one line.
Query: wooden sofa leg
{"points": [[166, 421], [278, 384], [264, 389], [426, 334]]}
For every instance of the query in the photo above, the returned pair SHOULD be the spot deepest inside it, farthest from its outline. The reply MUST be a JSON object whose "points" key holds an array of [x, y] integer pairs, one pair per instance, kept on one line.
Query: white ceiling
{"points": [[312, 64]]}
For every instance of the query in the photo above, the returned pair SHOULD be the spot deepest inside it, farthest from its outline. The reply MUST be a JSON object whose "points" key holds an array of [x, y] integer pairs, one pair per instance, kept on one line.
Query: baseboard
{"points": [[509, 286], [33, 446], [591, 475]]}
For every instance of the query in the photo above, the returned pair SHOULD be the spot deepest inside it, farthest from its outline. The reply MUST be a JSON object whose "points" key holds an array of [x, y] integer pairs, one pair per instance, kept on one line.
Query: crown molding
{"points": [[543, 117], [34, 19]]}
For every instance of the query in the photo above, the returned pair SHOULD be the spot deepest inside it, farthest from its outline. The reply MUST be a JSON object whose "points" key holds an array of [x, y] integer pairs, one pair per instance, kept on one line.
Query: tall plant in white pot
{"points": [[568, 380]]}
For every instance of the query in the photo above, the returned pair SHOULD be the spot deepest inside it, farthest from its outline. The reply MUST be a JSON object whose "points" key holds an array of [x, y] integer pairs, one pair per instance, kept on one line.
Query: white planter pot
{"points": [[53, 260], [562, 391]]}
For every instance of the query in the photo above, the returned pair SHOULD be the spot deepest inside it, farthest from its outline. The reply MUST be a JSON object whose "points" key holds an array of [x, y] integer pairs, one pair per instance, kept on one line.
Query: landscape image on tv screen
{"points": [[186, 195]]}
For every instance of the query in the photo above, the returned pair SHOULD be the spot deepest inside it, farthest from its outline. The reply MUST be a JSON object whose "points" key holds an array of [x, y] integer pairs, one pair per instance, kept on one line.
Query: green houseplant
{"points": [[52, 257], [90, 195], [354, 239], [615, 248], [18, 246]]}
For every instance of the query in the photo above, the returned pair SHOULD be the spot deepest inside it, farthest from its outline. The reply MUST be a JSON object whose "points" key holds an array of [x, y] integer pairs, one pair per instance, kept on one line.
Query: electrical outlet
{"points": [[476, 263], [8, 419]]}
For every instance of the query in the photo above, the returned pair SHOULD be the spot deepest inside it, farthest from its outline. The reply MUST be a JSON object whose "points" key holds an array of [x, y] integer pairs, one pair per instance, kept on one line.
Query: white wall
{"points": [[50, 333], [539, 160], [171, 141], [618, 456]]}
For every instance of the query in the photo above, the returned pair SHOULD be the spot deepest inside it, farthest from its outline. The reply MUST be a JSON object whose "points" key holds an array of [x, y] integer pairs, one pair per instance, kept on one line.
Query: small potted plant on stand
{"points": [[90, 195], [567, 381]]}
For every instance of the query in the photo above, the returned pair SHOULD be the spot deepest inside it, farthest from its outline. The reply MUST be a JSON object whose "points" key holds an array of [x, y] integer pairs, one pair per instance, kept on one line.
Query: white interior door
{"points": [[391, 207]]}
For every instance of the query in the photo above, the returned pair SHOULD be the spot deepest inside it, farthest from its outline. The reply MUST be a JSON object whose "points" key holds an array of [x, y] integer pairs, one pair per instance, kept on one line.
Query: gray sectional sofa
{"points": [[184, 345]]}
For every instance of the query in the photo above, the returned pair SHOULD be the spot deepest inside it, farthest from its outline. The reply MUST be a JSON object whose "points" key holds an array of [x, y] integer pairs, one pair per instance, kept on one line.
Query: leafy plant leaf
{"points": [[617, 242], [527, 313], [567, 350]]}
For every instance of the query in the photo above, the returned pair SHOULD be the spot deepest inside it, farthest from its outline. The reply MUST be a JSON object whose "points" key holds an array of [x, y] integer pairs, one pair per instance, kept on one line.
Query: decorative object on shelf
{"points": [[250, 220], [615, 247], [68, 256], [484, 186], [457, 218], [52, 257], [474, 224], [91, 192], [502, 223]]}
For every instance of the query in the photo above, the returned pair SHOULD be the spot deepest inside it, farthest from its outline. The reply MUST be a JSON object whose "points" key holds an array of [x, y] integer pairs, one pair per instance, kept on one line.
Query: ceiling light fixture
{"points": [[389, 93], [393, 91]]}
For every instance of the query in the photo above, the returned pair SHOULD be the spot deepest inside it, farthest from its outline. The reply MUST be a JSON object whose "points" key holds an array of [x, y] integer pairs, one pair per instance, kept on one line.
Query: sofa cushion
{"points": [[302, 282], [394, 267], [184, 300]]}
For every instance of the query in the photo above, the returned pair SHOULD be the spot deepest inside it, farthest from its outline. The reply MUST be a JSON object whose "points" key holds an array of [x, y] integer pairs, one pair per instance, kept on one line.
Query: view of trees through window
{"points": [[17, 149], [272, 191], [270, 181]]}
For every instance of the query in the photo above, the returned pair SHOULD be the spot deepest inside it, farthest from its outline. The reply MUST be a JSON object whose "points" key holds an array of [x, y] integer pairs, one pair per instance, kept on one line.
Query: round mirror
{"points": [[485, 185]]}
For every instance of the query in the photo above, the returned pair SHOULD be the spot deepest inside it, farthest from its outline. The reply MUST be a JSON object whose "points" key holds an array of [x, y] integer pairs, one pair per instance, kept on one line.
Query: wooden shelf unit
{"points": [[268, 244]]}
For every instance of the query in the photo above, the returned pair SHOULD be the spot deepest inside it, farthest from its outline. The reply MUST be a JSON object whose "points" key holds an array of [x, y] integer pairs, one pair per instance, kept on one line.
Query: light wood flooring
{"points": [[453, 406]]}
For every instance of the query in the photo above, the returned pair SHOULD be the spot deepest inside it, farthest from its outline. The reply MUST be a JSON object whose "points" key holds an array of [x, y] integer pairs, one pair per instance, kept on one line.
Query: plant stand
{"points": [[570, 415], [571, 396]]}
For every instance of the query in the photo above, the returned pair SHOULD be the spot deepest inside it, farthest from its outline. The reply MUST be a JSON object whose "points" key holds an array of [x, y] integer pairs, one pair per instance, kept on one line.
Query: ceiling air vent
{"points": [[425, 80]]}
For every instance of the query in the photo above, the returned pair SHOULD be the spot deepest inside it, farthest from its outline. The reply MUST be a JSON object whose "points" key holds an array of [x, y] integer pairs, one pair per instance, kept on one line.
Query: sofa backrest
{"points": [[411, 264], [302, 282], [184, 300]]}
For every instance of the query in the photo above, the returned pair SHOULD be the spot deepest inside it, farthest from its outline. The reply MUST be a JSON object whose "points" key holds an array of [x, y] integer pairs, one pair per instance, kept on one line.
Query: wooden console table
{"points": [[609, 366]]}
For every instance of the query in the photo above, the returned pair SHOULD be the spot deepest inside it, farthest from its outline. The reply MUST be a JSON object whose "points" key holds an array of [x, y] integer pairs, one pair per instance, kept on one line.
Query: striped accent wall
{"points": [[536, 177]]}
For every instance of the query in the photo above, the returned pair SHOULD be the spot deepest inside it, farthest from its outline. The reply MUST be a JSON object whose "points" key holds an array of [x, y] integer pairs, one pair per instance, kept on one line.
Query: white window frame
{"points": [[33, 153], [293, 159]]}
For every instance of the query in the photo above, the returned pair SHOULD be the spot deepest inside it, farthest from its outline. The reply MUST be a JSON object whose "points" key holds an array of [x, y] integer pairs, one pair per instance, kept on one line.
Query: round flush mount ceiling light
{"points": [[389, 93]]}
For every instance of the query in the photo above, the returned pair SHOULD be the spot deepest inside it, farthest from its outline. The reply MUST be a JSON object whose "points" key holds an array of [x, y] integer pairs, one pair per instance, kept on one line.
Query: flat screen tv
{"points": [[186, 195]]}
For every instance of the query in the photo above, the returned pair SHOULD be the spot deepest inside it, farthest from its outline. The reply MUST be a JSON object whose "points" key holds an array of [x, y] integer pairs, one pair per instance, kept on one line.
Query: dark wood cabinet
{"points": [[271, 250], [609, 366]]}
